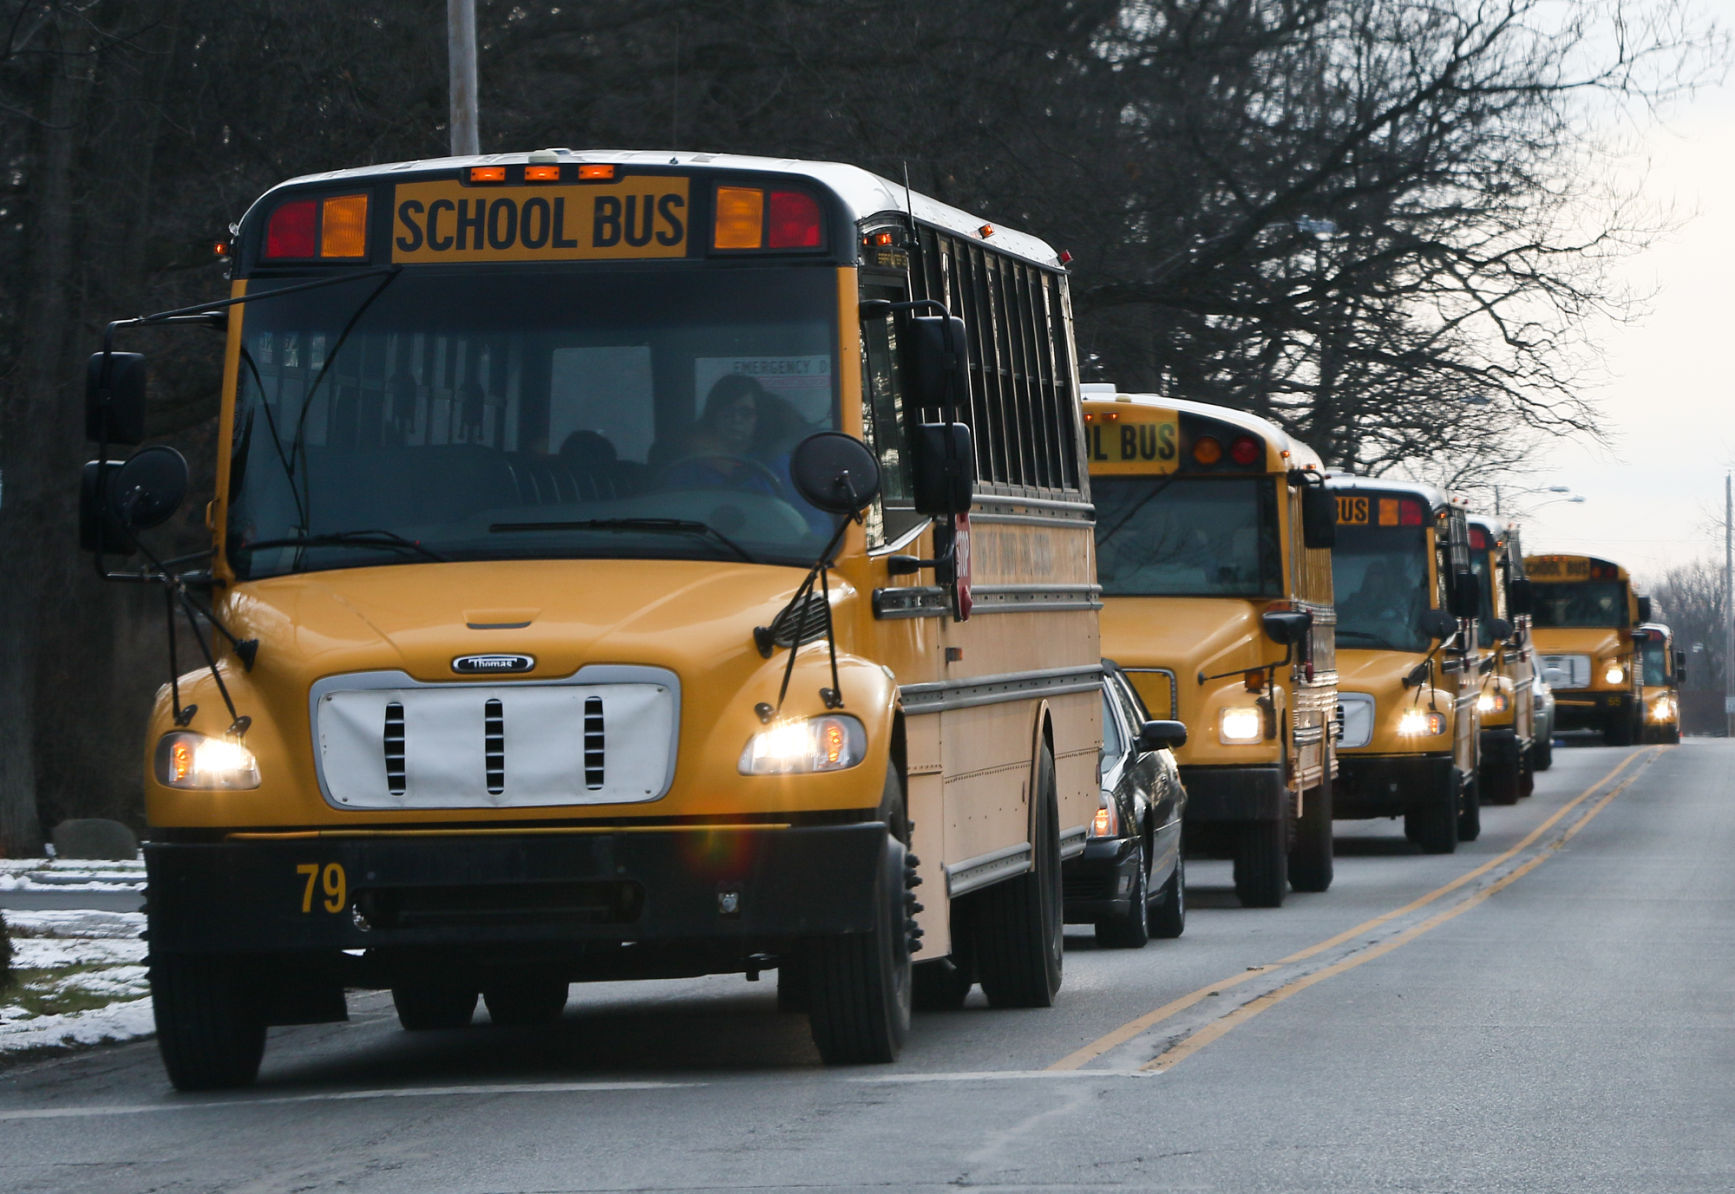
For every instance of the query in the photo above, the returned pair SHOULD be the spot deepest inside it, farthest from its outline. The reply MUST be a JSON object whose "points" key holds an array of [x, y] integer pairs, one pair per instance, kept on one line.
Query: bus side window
{"points": [[883, 429]]}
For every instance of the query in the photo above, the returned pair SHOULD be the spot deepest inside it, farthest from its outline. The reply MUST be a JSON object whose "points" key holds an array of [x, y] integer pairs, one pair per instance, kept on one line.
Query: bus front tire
{"points": [[1262, 863], [209, 1029], [1470, 811], [526, 1000], [1310, 861], [1433, 827], [858, 985], [1019, 923]]}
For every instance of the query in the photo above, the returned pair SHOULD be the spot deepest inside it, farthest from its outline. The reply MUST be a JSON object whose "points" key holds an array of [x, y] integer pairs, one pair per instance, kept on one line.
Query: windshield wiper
{"points": [[683, 526], [1367, 634], [390, 540]]}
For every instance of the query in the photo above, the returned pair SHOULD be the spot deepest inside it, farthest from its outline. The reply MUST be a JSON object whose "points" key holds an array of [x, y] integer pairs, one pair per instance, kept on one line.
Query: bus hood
{"points": [[1188, 635], [1360, 670], [562, 614]]}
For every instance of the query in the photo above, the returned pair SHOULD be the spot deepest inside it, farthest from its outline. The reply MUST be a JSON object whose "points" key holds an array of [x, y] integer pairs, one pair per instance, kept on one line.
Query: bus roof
{"points": [[865, 193], [1661, 628], [1436, 499], [1276, 438]]}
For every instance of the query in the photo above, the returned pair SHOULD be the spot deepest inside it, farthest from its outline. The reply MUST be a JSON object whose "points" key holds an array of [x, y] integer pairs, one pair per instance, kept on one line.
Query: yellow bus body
{"points": [[1506, 701], [1193, 656], [1660, 682], [1410, 733], [1591, 667]]}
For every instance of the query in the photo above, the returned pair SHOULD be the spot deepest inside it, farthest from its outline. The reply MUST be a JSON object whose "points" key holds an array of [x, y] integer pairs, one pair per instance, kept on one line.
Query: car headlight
{"points": [[1421, 723], [1491, 702], [1107, 822], [1243, 723], [833, 742], [189, 760], [1615, 674]]}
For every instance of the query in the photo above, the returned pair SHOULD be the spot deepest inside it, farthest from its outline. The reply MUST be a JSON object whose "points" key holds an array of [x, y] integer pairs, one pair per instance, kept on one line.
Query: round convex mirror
{"points": [[835, 472], [148, 489]]}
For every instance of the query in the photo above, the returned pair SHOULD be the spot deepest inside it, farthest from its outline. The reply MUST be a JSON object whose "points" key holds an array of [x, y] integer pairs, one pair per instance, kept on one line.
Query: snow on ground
{"points": [[98, 956]]}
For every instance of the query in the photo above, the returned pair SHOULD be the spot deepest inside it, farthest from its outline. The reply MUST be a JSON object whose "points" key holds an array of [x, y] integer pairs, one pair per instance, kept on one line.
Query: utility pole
{"points": [[461, 60]]}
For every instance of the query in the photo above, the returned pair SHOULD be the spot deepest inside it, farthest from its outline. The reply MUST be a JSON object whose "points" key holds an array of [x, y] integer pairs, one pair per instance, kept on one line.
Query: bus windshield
{"points": [[1479, 565], [1381, 577], [1654, 654], [1588, 603], [1187, 537], [511, 413]]}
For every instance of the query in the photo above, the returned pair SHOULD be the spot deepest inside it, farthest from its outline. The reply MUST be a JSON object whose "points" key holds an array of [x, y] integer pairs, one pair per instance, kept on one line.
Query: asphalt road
{"points": [[1550, 1009]]}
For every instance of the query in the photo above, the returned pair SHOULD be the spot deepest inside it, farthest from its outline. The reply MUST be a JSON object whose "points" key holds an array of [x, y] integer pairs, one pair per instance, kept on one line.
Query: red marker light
{"points": [[1410, 513], [794, 220], [1244, 450], [293, 230]]}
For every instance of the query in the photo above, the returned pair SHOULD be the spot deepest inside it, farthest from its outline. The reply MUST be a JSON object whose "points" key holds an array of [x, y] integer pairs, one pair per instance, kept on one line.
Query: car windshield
{"points": [[1187, 537], [1380, 575], [514, 413], [1589, 603]]}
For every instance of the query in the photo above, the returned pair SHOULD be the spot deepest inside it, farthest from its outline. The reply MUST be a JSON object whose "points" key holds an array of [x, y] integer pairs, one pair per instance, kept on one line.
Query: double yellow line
{"points": [[1195, 1041]]}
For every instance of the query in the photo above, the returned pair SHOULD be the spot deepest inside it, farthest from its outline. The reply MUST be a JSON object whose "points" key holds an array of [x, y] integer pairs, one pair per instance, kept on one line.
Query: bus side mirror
{"points": [[944, 472], [938, 361], [1521, 596], [1286, 627], [1463, 600], [835, 472], [1438, 623], [1162, 735], [114, 398], [1499, 629], [1644, 609], [1318, 517], [1680, 667], [118, 497]]}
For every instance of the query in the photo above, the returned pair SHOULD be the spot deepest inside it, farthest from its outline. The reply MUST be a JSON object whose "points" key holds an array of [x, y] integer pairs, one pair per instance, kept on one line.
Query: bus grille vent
{"points": [[494, 745], [799, 624], [394, 749], [593, 743]]}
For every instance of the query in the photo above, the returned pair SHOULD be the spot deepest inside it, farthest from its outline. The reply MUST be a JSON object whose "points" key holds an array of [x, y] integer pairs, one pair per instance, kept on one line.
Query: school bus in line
{"points": [[1661, 670], [1409, 670], [624, 565], [1585, 615], [1213, 534], [1505, 704]]}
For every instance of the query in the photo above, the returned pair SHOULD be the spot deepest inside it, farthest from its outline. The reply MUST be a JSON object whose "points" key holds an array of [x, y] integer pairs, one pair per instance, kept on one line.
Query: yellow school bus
{"points": [[1586, 611], [1505, 703], [623, 565], [1213, 534], [1409, 671], [1661, 670]]}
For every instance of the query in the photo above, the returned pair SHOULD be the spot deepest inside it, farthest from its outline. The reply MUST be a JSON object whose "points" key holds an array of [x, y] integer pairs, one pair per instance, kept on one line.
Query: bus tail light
{"points": [[293, 230], [1245, 450], [302, 228], [794, 220]]}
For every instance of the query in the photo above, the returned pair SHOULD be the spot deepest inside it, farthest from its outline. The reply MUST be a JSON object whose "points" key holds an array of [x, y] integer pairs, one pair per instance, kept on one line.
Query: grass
{"points": [[56, 992]]}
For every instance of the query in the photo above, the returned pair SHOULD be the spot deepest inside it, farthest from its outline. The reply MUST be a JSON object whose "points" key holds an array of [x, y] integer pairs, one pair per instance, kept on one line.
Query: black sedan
{"points": [[1130, 881]]}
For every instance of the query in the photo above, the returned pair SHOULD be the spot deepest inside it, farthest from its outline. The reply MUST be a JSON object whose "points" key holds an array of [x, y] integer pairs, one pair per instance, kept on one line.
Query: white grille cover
{"points": [[1566, 671], [551, 754], [1358, 718]]}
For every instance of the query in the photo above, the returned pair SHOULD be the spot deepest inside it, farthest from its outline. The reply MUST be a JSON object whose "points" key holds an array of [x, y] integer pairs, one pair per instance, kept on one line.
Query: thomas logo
{"points": [[487, 665]]}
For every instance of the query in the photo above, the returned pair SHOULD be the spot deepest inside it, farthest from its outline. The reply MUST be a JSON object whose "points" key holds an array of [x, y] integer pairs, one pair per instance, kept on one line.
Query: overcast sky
{"points": [[1654, 498]]}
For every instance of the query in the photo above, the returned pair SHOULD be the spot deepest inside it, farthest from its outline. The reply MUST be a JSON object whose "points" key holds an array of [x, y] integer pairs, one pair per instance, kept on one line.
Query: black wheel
{"points": [[1310, 859], [526, 999], [859, 984], [1262, 863], [1131, 929], [1527, 771], [1672, 735], [1169, 918], [792, 986], [1542, 752], [1434, 825], [430, 1006], [1019, 930], [1470, 811], [209, 1028], [1500, 784]]}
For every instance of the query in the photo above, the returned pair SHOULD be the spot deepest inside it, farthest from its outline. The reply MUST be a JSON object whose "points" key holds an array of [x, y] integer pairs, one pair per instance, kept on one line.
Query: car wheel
{"points": [[1131, 929], [1168, 919]]}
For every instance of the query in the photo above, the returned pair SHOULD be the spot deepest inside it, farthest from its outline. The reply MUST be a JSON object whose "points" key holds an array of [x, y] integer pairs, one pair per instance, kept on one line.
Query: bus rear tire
{"points": [[859, 985], [209, 1029], [431, 1006], [1262, 863], [1310, 861], [1019, 927], [526, 1000]]}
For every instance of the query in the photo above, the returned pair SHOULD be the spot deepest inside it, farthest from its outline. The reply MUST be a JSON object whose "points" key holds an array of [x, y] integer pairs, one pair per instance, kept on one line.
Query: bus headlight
{"points": [[1491, 702], [193, 761], [1615, 674], [1662, 709], [1421, 723], [1241, 724], [829, 743]]}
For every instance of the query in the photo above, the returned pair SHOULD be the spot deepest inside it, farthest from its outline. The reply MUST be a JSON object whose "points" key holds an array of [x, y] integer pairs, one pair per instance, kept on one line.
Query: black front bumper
{"points": [[755, 889], [1390, 785], [1095, 884], [1236, 795], [1586, 709]]}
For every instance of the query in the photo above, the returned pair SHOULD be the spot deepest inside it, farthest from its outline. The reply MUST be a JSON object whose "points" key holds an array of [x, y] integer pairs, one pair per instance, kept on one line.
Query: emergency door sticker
{"points": [[634, 218], [1145, 441]]}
